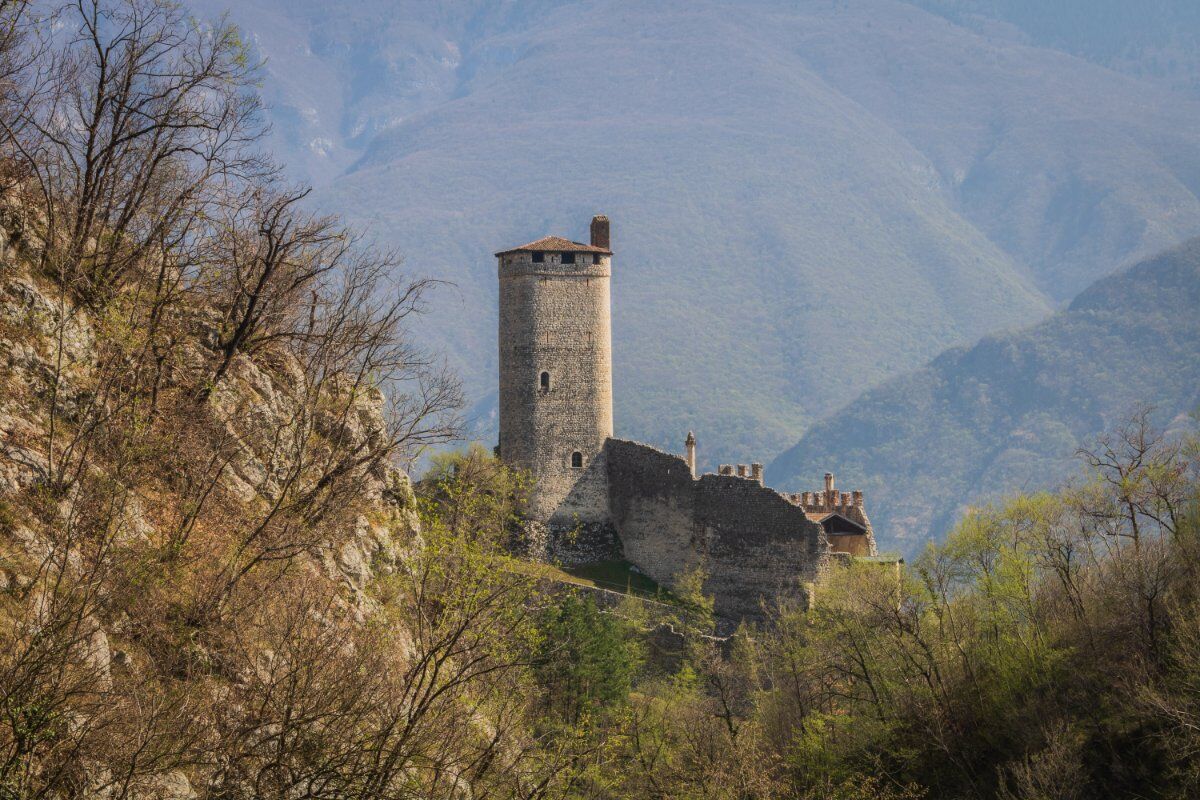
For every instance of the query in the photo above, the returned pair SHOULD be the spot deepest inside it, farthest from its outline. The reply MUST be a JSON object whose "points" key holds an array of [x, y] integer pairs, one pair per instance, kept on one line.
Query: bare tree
{"points": [[1145, 475], [126, 127]]}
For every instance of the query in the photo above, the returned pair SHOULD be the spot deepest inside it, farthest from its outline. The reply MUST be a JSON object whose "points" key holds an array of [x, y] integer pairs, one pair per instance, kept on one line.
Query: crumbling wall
{"points": [[752, 543]]}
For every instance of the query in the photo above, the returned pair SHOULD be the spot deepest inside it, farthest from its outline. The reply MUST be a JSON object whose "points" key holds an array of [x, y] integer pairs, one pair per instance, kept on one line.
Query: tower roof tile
{"points": [[555, 244]]}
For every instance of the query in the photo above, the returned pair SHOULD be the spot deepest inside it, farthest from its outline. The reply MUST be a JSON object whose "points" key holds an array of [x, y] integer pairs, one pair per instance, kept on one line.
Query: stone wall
{"points": [[555, 318], [753, 544]]}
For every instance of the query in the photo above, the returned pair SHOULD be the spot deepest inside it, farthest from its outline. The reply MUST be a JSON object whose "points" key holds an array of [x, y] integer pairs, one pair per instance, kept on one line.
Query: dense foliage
{"points": [[1049, 649]]}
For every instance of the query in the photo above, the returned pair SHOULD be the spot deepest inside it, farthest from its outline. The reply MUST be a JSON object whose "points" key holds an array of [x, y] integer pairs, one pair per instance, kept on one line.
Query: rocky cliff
{"points": [[165, 539]]}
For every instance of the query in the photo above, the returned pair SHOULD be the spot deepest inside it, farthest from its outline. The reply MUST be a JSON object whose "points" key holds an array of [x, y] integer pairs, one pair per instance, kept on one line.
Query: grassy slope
{"points": [[1009, 412], [616, 576]]}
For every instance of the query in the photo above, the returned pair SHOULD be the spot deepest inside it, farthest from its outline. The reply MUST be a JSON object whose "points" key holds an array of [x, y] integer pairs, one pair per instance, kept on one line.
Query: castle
{"points": [[599, 498]]}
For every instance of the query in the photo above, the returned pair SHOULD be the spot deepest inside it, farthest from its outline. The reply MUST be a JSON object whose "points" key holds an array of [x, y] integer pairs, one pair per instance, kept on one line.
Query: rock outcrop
{"points": [[75, 488]]}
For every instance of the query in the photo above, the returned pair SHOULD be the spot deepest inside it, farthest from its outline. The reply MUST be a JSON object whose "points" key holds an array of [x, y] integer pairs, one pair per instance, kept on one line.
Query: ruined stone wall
{"points": [[555, 318], [751, 541]]}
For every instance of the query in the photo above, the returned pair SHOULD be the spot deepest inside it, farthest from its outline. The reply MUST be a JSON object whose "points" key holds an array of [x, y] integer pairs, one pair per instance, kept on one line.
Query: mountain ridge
{"points": [[805, 201], [1009, 412]]}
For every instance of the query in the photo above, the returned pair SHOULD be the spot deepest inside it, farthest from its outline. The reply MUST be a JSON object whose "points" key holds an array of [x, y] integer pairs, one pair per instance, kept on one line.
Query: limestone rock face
{"points": [[39, 338], [255, 403], [172, 785], [49, 360]]}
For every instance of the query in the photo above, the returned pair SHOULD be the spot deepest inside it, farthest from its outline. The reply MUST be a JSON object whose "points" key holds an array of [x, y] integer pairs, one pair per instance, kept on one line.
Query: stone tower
{"points": [[556, 373]]}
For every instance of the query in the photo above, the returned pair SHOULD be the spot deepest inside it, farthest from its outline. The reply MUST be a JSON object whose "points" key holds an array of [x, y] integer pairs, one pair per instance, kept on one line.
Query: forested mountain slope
{"points": [[1008, 413], [806, 200]]}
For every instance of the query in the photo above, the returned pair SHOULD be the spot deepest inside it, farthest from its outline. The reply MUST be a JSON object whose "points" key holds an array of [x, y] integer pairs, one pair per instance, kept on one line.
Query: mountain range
{"points": [[807, 199], [1009, 412]]}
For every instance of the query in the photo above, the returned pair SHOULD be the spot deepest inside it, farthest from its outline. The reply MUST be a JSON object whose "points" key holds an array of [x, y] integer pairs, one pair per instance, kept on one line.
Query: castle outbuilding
{"points": [[599, 498]]}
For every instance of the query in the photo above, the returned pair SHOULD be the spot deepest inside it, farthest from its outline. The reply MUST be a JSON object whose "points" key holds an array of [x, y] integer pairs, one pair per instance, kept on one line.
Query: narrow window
{"points": [[538, 258], [577, 460], [568, 258], [545, 381]]}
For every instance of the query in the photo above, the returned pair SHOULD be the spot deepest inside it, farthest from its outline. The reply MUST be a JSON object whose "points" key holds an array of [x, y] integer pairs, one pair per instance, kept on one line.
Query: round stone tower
{"points": [[556, 373]]}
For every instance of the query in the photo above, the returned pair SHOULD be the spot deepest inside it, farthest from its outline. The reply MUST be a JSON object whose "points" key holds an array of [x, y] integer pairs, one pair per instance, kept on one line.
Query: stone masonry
{"points": [[556, 378], [751, 542]]}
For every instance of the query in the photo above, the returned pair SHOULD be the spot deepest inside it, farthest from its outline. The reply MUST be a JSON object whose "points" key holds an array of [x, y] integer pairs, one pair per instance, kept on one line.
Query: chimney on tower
{"points": [[690, 444], [600, 232]]}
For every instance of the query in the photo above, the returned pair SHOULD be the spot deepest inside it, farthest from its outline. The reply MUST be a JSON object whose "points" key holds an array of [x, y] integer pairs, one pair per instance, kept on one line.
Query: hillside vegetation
{"points": [[216, 583], [806, 198], [1008, 413]]}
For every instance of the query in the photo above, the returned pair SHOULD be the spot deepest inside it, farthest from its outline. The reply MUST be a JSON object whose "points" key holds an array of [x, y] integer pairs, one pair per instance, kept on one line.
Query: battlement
{"points": [[829, 500], [752, 472], [843, 515]]}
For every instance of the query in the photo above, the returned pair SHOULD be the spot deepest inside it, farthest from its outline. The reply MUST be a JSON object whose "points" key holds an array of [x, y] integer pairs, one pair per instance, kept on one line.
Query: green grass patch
{"points": [[617, 576]]}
